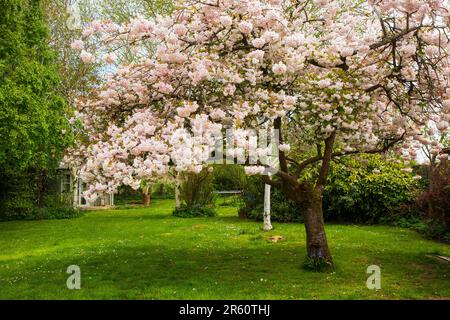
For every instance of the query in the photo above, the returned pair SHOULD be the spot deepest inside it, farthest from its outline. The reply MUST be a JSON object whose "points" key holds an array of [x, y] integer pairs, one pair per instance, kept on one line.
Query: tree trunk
{"points": [[146, 195], [177, 192], [309, 200], [267, 225], [316, 239]]}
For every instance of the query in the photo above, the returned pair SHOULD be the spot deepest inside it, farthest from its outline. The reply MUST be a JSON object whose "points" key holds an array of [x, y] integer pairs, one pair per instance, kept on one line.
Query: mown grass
{"points": [[146, 253]]}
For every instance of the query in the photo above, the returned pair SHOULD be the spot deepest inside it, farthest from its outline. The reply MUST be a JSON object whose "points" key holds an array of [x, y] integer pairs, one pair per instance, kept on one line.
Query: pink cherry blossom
{"points": [[279, 68], [77, 45], [87, 58]]}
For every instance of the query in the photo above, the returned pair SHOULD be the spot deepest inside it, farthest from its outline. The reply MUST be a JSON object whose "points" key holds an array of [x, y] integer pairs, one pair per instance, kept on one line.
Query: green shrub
{"points": [[282, 209], [56, 206], [51, 213], [126, 196], [355, 193], [194, 211], [53, 207], [434, 202], [367, 189], [411, 221], [430, 228], [197, 189], [197, 195], [17, 195], [22, 197], [163, 190], [436, 229], [229, 177]]}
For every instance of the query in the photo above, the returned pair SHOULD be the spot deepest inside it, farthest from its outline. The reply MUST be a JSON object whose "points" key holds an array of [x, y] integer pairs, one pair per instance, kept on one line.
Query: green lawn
{"points": [[148, 254]]}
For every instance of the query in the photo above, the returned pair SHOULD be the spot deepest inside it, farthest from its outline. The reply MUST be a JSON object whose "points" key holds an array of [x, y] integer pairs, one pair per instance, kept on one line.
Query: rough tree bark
{"points": [[308, 197], [309, 201], [316, 239], [146, 198], [267, 224]]}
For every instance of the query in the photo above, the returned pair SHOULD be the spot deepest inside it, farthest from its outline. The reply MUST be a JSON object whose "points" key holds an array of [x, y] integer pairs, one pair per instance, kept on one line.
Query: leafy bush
{"points": [[50, 213], [434, 203], [194, 211], [367, 189], [56, 206], [435, 229], [197, 189], [163, 189], [229, 177], [282, 209], [22, 207], [126, 195], [197, 194], [17, 195], [356, 192]]}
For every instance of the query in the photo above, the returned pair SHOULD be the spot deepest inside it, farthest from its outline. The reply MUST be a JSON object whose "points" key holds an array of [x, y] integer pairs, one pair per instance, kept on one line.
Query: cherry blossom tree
{"points": [[348, 77]]}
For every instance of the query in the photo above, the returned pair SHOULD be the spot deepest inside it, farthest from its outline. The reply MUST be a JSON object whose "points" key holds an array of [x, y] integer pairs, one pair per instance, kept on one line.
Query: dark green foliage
{"points": [[197, 189], [282, 209], [46, 213], [194, 211], [33, 124], [159, 190], [357, 192], [229, 177], [436, 229], [56, 206], [127, 196], [32, 114], [17, 195], [163, 190], [433, 203], [197, 195], [432, 229], [23, 199]]}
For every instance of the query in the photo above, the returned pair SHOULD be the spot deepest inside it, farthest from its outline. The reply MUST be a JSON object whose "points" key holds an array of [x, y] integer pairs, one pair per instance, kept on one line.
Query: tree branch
{"points": [[393, 38], [281, 155], [326, 162]]}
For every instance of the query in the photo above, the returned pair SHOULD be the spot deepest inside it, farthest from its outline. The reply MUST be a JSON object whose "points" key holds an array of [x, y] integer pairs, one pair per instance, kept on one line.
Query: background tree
{"points": [[67, 18], [33, 125]]}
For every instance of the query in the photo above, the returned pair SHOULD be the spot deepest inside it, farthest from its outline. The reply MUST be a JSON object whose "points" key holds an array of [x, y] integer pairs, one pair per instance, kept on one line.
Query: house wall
{"points": [[65, 185], [104, 200]]}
